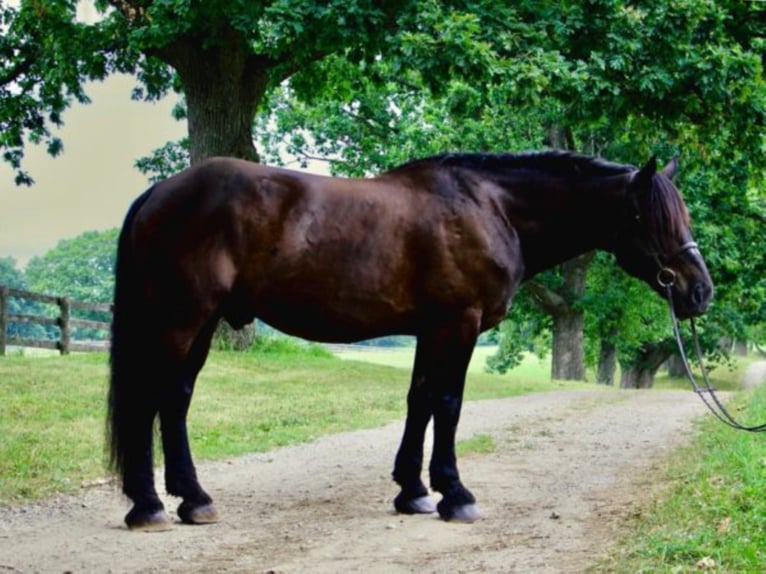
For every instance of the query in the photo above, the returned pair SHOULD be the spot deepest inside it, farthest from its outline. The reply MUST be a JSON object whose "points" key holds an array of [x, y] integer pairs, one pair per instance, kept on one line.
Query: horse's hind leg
{"points": [[137, 404], [180, 475], [148, 512]]}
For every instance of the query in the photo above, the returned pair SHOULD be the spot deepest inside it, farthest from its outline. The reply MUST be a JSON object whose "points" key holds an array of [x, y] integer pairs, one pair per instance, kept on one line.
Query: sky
{"points": [[91, 184]]}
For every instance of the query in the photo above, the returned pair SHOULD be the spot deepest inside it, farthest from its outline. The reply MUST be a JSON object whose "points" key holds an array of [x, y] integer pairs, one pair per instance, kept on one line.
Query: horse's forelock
{"points": [[667, 216]]}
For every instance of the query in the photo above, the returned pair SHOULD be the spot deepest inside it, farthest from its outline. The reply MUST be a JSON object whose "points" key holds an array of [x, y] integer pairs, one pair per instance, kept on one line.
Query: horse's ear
{"points": [[642, 180], [670, 170]]}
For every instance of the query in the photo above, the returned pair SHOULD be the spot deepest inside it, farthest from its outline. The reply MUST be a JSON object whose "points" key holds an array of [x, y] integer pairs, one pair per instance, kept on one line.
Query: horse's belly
{"points": [[332, 321]]}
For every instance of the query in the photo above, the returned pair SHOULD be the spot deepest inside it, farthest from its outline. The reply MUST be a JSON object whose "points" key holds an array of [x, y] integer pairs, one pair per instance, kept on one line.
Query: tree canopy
{"points": [[222, 56], [81, 268]]}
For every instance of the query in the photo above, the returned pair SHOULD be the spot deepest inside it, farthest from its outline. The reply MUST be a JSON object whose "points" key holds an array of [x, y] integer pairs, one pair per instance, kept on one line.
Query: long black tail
{"points": [[126, 395]]}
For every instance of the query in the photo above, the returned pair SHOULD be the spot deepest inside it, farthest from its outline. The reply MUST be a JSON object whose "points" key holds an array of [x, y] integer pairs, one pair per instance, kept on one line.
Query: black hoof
{"points": [[191, 513], [143, 520], [419, 505], [458, 513]]}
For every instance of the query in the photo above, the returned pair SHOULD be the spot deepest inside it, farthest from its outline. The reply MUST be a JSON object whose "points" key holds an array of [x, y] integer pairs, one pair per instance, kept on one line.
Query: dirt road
{"points": [[567, 469]]}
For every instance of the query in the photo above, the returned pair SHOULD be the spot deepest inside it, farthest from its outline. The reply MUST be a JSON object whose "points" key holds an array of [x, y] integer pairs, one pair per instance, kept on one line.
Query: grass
{"points": [[710, 512], [477, 444], [52, 408], [402, 357]]}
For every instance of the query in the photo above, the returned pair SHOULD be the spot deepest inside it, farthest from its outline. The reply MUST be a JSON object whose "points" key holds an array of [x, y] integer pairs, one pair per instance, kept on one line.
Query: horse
{"points": [[434, 248]]}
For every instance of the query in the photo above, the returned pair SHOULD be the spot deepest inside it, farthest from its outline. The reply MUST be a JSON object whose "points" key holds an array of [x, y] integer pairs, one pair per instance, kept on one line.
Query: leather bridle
{"points": [[706, 392], [666, 277]]}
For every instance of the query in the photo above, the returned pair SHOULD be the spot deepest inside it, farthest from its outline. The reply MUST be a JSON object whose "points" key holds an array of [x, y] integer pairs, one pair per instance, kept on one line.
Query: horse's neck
{"points": [[557, 221]]}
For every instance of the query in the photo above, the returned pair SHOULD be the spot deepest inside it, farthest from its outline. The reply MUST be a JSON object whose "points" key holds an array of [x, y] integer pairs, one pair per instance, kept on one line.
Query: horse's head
{"points": [[654, 242]]}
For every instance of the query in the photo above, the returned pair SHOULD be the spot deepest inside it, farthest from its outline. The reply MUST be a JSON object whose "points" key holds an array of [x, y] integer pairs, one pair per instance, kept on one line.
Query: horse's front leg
{"points": [[414, 498], [457, 502], [448, 373]]}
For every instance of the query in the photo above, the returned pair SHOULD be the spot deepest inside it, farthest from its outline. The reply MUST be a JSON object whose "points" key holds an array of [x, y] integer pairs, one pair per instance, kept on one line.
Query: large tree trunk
{"points": [[223, 85], [567, 354], [607, 362], [640, 373], [568, 357], [675, 366]]}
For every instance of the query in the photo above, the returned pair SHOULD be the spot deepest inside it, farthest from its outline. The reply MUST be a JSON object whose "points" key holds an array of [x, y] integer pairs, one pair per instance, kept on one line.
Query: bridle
{"points": [[666, 279]]}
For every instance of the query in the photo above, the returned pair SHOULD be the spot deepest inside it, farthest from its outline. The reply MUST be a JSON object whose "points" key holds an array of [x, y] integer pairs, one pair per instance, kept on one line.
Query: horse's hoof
{"points": [[466, 513], [157, 521], [420, 505], [204, 514]]}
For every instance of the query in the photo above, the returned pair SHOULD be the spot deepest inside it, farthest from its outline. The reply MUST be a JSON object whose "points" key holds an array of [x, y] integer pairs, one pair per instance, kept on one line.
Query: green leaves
{"points": [[45, 57], [81, 268]]}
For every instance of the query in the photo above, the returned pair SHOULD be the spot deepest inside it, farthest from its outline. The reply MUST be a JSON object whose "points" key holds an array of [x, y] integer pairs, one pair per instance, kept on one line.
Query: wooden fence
{"points": [[65, 322]]}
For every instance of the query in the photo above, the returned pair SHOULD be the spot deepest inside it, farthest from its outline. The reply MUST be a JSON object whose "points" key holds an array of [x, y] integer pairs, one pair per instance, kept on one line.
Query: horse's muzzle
{"points": [[696, 301]]}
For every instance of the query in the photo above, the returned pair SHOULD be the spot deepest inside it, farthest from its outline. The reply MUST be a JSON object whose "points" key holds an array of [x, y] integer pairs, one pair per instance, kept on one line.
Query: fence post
{"points": [[66, 331], [4, 294]]}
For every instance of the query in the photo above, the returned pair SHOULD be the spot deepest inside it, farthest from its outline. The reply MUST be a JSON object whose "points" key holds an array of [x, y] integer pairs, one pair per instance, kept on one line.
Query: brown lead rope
{"points": [[706, 392]]}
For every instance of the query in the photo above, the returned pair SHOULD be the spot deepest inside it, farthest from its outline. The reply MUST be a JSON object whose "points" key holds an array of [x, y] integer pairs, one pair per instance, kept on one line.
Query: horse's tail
{"points": [[126, 398]]}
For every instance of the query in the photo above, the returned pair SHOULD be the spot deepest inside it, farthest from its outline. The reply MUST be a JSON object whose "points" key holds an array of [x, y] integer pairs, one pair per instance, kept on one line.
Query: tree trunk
{"points": [[640, 374], [223, 85], [567, 362], [568, 356], [607, 362], [675, 366], [740, 348]]}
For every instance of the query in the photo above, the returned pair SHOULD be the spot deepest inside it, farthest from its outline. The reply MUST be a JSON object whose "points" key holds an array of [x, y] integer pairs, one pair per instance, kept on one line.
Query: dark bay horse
{"points": [[435, 248]]}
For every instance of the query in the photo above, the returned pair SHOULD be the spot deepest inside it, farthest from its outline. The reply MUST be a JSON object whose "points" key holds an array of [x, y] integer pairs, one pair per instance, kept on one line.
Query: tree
{"points": [[12, 277], [81, 268], [45, 57]]}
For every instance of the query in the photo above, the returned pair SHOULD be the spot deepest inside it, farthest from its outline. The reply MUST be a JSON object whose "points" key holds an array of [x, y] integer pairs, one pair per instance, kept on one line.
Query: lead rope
{"points": [[706, 392]]}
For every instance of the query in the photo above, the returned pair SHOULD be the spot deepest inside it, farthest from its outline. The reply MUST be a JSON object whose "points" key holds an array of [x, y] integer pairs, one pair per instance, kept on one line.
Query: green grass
{"points": [[402, 357], [52, 408], [710, 513], [477, 444]]}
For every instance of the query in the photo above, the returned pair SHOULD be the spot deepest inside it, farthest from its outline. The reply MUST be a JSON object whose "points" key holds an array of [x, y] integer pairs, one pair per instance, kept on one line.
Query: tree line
{"points": [[367, 85]]}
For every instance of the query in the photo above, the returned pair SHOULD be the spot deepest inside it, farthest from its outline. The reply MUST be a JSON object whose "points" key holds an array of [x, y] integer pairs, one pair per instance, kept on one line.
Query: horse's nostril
{"points": [[700, 294]]}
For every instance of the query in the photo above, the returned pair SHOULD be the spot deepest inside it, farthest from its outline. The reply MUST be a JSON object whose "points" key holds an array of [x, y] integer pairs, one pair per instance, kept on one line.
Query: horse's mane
{"points": [[552, 163]]}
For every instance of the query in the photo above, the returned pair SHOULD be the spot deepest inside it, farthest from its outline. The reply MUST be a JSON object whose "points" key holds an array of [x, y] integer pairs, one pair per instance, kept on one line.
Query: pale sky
{"points": [[91, 184]]}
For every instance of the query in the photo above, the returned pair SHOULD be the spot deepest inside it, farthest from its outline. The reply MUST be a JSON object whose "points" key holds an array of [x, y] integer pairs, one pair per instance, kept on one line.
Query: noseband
{"points": [[666, 277]]}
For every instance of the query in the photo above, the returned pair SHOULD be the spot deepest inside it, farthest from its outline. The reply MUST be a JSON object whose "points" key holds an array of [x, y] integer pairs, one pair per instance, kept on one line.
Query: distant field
{"points": [[402, 357]]}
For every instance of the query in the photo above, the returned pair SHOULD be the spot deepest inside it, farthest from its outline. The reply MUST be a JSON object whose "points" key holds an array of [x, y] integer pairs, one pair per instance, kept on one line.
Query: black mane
{"points": [[552, 163]]}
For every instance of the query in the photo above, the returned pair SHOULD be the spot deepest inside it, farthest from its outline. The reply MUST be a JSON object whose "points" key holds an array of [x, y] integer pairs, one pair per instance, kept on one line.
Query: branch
{"points": [[17, 71], [546, 299], [134, 11]]}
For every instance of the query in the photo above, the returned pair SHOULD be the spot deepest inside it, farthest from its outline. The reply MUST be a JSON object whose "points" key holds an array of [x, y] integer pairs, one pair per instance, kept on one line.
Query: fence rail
{"points": [[65, 322]]}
